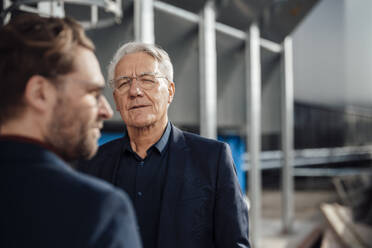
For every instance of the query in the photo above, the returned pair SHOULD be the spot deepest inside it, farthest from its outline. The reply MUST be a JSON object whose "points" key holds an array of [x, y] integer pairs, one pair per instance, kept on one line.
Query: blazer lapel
{"points": [[108, 164], [178, 158], [111, 173]]}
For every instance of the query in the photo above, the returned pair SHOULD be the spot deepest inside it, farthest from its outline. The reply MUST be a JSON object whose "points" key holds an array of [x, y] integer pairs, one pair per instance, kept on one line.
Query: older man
{"points": [[183, 186], [51, 112]]}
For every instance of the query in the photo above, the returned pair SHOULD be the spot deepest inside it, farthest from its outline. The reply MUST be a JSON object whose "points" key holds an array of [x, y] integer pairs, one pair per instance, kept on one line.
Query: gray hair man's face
{"points": [[140, 106]]}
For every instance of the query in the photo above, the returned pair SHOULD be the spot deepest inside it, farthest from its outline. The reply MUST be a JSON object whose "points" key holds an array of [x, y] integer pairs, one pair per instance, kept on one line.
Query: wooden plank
{"points": [[330, 241], [340, 221], [363, 232], [310, 239]]}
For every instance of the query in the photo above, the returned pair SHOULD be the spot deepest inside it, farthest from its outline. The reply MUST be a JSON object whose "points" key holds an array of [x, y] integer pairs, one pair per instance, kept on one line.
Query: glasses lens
{"points": [[122, 83], [147, 81]]}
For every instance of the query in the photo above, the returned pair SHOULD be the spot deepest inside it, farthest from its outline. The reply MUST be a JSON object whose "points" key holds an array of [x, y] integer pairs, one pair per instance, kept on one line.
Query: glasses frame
{"points": [[137, 77]]}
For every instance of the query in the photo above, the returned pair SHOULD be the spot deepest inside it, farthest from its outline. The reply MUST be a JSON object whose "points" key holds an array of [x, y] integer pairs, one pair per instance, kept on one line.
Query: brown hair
{"points": [[32, 45]]}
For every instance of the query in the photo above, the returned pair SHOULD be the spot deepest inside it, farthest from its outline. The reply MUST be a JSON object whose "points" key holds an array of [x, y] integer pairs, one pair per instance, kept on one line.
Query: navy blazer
{"points": [[45, 203], [202, 206]]}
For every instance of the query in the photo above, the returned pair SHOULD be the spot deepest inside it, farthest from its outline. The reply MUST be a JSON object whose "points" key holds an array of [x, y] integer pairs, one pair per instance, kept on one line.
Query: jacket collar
{"points": [[25, 151], [178, 160]]}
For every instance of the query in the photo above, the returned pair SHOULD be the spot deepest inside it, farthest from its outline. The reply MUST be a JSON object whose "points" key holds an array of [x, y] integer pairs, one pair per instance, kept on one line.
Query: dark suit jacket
{"points": [[203, 206], [45, 203]]}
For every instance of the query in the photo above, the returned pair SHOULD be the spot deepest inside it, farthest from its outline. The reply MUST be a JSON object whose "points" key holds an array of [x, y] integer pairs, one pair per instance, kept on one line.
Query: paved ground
{"points": [[308, 218], [307, 203]]}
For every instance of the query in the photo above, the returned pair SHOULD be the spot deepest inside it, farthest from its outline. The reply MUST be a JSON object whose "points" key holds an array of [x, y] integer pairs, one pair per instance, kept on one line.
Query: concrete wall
{"points": [[332, 64], [358, 25], [333, 55], [319, 55]]}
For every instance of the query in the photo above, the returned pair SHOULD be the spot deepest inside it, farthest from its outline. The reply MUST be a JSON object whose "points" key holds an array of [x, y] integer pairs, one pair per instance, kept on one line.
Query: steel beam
{"points": [[94, 15], [208, 72], [175, 11], [239, 34], [55, 9], [6, 4], [144, 21], [253, 82], [220, 27], [287, 113], [101, 3]]}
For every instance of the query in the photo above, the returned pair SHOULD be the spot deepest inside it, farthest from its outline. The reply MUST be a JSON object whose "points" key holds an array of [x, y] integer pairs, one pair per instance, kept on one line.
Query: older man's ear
{"points": [[116, 101], [171, 90]]}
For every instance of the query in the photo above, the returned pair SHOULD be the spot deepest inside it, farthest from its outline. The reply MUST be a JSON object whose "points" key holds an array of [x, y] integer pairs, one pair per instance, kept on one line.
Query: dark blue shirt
{"points": [[143, 180]]}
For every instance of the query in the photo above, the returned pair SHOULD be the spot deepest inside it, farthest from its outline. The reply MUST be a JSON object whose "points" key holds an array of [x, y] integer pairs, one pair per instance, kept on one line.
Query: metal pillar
{"points": [[6, 4], [220, 27], [94, 15], [208, 72], [144, 21], [253, 77], [287, 137], [176, 11], [55, 9]]}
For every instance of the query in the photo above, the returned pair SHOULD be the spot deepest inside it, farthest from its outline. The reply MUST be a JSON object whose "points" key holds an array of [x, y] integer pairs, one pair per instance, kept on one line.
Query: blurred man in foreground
{"points": [[51, 112], [183, 186]]}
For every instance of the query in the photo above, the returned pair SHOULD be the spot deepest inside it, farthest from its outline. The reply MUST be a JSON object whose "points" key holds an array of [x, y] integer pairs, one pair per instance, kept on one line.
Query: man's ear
{"points": [[40, 94], [117, 102], [171, 90]]}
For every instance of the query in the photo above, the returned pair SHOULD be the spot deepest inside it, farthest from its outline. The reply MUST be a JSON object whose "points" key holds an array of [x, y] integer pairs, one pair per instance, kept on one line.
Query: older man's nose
{"points": [[135, 89]]}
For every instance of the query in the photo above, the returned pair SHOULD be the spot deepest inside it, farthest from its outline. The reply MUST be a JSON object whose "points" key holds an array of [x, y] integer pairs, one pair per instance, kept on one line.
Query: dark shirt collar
{"points": [[24, 139], [160, 145]]}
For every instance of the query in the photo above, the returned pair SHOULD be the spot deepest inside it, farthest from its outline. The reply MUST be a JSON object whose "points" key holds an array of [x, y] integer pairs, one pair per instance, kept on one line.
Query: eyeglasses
{"points": [[145, 81]]}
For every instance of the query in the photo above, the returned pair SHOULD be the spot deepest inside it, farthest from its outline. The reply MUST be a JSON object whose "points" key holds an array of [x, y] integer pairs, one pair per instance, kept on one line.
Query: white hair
{"points": [[161, 56]]}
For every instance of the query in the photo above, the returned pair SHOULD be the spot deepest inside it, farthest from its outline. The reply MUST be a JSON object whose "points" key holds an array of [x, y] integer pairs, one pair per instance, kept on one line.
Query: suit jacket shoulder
{"points": [[111, 222], [203, 182], [194, 139], [104, 164], [207, 152], [48, 204]]}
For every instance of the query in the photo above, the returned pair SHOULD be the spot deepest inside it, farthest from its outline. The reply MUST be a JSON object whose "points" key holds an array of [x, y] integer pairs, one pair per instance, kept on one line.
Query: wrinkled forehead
{"points": [[136, 64]]}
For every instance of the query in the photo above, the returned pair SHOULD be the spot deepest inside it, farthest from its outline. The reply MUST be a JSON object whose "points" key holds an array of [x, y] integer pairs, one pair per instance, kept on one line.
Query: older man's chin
{"points": [[143, 122]]}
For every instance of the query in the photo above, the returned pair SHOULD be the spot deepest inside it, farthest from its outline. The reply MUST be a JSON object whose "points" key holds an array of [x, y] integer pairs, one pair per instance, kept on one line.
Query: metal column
{"points": [[6, 4], [253, 77], [94, 15], [144, 21], [287, 136], [208, 72], [55, 9]]}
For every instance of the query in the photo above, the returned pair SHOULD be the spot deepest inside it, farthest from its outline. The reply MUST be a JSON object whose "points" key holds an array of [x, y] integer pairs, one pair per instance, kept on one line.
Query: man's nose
{"points": [[105, 110], [135, 89]]}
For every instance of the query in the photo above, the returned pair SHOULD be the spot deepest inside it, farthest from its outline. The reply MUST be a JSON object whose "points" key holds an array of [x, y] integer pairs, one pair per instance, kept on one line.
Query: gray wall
{"points": [[358, 24], [319, 55], [333, 55], [332, 64]]}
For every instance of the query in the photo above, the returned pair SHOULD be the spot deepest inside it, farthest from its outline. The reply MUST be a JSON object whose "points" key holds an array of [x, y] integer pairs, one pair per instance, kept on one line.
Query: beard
{"points": [[70, 133]]}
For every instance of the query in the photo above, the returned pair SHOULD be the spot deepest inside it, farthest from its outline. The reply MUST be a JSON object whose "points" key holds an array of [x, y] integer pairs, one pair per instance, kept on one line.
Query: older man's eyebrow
{"points": [[147, 73]]}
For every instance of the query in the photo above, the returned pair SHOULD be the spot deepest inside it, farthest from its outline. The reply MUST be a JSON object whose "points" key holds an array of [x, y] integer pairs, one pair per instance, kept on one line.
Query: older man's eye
{"points": [[123, 82], [148, 79]]}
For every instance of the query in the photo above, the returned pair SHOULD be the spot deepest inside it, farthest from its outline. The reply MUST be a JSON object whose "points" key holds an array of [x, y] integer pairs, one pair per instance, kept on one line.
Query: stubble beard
{"points": [[69, 134]]}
